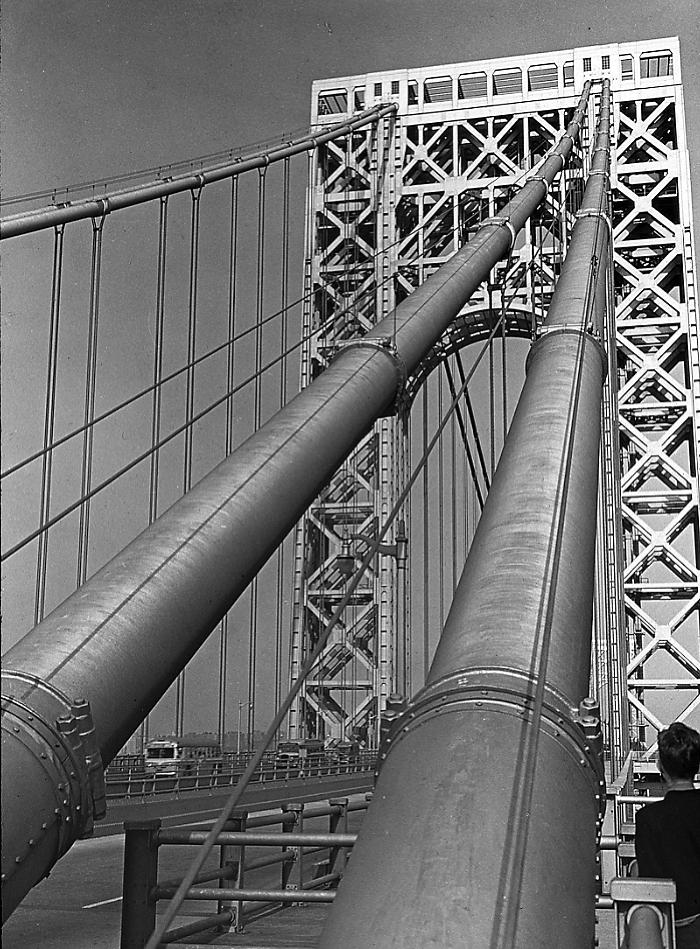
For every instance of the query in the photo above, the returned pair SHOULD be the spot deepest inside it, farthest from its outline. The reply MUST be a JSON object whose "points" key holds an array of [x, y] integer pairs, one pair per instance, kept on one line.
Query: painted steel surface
{"points": [[122, 638], [482, 829]]}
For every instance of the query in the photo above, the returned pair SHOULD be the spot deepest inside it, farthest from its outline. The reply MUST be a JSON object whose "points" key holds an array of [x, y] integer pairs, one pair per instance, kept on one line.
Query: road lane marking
{"points": [[115, 899]]}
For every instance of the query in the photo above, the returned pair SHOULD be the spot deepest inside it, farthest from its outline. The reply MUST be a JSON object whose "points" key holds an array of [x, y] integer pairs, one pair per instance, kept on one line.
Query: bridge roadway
{"points": [[79, 905]]}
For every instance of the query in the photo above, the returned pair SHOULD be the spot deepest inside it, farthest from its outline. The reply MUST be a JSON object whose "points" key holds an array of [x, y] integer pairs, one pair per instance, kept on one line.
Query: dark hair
{"points": [[679, 751]]}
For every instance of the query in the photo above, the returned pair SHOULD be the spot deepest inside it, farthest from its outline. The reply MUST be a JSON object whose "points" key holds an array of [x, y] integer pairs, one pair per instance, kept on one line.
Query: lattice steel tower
{"points": [[384, 209]]}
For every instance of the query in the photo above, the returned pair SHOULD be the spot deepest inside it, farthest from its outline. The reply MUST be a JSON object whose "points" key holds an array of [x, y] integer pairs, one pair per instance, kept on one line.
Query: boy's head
{"points": [[679, 751]]}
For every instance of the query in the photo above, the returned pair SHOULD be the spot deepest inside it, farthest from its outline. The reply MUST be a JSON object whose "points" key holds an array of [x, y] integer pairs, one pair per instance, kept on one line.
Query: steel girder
{"points": [[659, 401], [383, 213], [463, 145]]}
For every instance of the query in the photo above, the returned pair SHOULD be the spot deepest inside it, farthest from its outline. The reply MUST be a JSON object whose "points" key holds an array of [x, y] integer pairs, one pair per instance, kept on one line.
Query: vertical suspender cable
{"points": [[284, 330], [257, 398], [463, 429], [49, 420], [492, 393], [453, 485], [228, 445], [156, 402], [90, 383], [475, 432], [441, 511], [158, 360], [189, 408], [504, 368], [426, 541]]}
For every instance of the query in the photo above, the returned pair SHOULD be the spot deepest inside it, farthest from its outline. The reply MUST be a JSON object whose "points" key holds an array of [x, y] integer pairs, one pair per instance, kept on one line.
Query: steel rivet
{"points": [[15, 728], [31, 841], [18, 859]]}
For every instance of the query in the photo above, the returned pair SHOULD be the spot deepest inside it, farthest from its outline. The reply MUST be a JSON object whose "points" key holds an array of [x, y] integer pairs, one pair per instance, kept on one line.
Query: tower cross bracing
{"points": [[390, 204]]}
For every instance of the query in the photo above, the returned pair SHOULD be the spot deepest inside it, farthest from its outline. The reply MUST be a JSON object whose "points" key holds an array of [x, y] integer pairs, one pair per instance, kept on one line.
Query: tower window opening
{"points": [[627, 68], [438, 90], [507, 82], [394, 87], [652, 65], [605, 62], [568, 74], [377, 88], [333, 101], [472, 85], [586, 63], [359, 99], [412, 92], [542, 77]]}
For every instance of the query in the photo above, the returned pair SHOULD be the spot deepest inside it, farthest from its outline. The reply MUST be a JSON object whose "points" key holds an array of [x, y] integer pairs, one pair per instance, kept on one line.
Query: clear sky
{"points": [[97, 87]]}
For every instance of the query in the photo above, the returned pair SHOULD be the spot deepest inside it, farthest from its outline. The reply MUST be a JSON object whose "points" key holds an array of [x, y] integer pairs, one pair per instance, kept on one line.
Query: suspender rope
{"points": [[49, 420], [90, 383]]}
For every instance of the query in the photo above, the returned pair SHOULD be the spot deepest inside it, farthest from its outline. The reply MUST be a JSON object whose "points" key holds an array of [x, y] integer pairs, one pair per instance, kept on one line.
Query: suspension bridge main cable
{"points": [[374, 544], [14, 225]]}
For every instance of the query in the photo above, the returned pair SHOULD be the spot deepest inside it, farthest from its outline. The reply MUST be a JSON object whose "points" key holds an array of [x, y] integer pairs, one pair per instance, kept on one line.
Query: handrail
{"points": [[142, 889]]}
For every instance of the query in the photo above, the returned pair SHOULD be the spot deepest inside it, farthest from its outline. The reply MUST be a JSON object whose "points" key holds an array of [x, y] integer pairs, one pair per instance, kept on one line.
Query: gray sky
{"points": [[97, 87]]}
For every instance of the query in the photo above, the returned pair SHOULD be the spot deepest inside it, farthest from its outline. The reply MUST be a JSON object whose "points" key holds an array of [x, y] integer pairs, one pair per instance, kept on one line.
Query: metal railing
{"points": [[301, 880], [207, 774]]}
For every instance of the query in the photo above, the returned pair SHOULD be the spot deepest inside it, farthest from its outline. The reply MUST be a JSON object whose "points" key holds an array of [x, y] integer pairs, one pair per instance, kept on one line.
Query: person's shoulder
{"points": [[690, 799], [649, 811]]}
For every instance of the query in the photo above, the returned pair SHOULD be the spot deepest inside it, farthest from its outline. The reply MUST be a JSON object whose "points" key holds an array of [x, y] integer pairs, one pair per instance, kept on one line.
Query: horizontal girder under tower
{"points": [[384, 210]]}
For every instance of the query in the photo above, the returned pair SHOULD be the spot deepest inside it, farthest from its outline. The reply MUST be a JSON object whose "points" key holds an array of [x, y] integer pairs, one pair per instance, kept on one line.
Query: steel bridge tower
{"points": [[384, 209]]}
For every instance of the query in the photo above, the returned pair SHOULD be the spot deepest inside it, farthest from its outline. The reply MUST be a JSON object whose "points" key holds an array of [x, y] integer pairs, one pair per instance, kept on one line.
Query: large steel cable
{"points": [[257, 755], [468, 725], [16, 225]]}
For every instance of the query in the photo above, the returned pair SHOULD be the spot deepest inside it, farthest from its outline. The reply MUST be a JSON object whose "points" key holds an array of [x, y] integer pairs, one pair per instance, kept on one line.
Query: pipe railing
{"points": [[142, 889], [207, 775]]}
